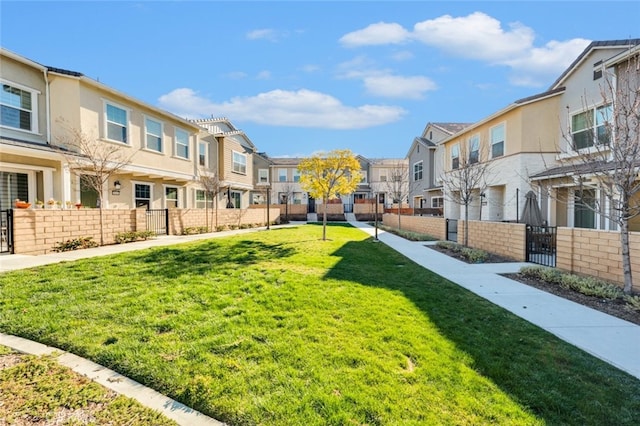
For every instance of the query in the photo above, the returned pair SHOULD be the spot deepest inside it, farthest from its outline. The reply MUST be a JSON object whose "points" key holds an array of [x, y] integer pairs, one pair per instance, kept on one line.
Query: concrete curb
{"points": [[170, 408]]}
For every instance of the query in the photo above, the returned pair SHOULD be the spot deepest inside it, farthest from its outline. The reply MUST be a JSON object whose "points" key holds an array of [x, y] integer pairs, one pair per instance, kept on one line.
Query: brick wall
{"points": [[597, 253], [38, 231], [504, 239], [179, 219], [434, 226], [336, 208]]}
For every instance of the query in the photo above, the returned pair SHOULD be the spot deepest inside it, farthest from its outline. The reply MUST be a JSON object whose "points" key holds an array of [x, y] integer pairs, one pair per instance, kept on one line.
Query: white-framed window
{"points": [[383, 175], [117, 123], [584, 207], [363, 176], [239, 163], [437, 202], [182, 143], [474, 149], [19, 107], [142, 195], [297, 198], [263, 176], [170, 197], [417, 171], [296, 175], [591, 127], [153, 134], [202, 201], [282, 175], [497, 140], [455, 156], [203, 157]]}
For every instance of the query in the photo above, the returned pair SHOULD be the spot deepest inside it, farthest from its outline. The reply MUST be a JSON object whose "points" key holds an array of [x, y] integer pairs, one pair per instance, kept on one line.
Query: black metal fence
{"points": [[452, 230], [158, 221], [6, 231], [541, 245]]}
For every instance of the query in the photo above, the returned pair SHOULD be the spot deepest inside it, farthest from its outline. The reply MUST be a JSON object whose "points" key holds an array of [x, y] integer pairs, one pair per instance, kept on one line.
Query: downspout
{"points": [[47, 105]]}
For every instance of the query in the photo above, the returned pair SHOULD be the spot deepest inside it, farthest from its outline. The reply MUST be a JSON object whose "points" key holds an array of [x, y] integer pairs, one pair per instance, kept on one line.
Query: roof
{"points": [[285, 161], [593, 46], [576, 169], [451, 128]]}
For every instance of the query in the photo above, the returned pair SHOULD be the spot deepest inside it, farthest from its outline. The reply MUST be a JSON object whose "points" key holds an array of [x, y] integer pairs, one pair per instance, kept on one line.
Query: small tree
{"points": [[328, 175], [399, 185], [93, 159], [467, 179], [286, 192], [212, 188], [607, 140]]}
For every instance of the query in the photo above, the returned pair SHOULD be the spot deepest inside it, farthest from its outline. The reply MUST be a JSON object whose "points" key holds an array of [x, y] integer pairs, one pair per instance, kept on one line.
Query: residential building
{"points": [[425, 165], [586, 117], [286, 182]]}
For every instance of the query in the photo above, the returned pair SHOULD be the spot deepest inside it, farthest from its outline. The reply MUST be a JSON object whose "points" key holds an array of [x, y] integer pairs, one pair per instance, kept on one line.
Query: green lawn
{"points": [[280, 328]]}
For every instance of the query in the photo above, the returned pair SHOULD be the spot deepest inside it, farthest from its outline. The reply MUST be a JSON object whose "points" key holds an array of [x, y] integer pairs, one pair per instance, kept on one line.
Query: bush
{"points": [[470, 254], [409, 235], [75, 244], [192, 230], [220, 228], [131, 236], [633, 302], [588, 286]]}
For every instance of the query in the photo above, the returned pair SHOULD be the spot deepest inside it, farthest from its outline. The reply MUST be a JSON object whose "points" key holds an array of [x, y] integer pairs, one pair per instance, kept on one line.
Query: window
{"points": [[474, 149], [153, 131], [12, 186], [437, 202], [170, 197], [417, 171], [455, 156], [263, 176], [117, 123], [18, 108], [202, 201], [235, 199], [239, 163], [497, 141], [182, 143], [383, 175], [282, 175], [88, 194], [296, 175], [584, 209], [297, 198], [203, 158], [142, 195], [363, 176], [591, 126]]}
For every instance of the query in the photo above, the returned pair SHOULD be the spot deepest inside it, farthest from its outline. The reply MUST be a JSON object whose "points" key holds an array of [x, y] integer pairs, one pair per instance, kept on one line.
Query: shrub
{"points": [[475, 255], [409, 235], [588, 286], [633, 302], [75, 244], [220, 228], [131, 236], [191, 230]]}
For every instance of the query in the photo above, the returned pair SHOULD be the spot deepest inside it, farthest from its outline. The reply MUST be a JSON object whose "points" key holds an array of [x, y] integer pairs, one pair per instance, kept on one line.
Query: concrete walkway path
{"points": [[606, 337]]}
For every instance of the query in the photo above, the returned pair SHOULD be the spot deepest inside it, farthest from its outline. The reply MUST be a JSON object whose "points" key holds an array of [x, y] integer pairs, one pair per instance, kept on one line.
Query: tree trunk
{"points": [[399, 227], [101, 224], [324, 221], [466, 225], [626, 256]]}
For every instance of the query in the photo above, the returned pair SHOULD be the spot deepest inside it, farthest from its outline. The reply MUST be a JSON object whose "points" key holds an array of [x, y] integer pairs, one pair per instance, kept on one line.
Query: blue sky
{"points": [[301, 77]]}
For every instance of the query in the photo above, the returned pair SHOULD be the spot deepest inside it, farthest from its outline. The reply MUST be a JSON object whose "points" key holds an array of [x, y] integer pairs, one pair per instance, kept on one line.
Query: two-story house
{"points": [[30, 168], [235, 162], [425, 165], [586, 118], [513, 143]]}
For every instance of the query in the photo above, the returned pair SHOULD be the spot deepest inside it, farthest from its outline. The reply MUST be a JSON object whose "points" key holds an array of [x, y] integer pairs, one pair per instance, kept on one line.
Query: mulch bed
{"points": [[617, 308]]}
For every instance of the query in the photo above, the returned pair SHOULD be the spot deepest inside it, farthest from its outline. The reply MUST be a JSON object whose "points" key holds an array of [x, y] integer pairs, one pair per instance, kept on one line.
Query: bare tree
{"points": [[399, 185], [212, 188], [94, 162], [286, 194], [468, 177], [606, 139]]}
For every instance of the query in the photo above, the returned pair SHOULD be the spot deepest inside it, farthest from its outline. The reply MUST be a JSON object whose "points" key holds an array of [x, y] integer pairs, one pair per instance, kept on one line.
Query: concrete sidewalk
{"points": [[606, 337]]}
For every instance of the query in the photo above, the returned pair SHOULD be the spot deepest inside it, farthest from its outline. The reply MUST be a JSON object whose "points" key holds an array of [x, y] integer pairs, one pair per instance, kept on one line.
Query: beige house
{"points": [[516, 142]]}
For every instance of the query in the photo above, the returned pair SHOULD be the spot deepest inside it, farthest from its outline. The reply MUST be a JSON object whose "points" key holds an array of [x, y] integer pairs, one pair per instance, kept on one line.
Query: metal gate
{"points": [[158, 221], [452, 230], [541, 245], [348, 208], [6, 229], [311, 207]]}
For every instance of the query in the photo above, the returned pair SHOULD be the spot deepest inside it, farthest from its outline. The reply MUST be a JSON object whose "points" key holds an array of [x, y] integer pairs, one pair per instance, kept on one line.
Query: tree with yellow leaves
{"points": [[328, 175]]}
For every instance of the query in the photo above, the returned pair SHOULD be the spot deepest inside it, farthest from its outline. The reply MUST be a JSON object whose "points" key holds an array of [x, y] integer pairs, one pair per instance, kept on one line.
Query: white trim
{"points": [[207, 147], [260, 182], [178, 195], [504, 139], [133, 192], [233, 152], [35, 102], [145, 133], [176, 130]]}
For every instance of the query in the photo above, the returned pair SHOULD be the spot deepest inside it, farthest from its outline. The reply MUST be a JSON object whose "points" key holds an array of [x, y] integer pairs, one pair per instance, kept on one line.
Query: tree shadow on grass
{"points": [[556, 381], [200, 258]]}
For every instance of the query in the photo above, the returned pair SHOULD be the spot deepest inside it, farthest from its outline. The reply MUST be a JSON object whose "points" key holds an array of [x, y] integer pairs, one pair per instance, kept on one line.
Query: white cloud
{"points": [[310, 68], [477, 36], [236, 75], [264, 75], [481, 37], [380, 33], [301, 108], [403, 55], [263, 34], [393, 86]]}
